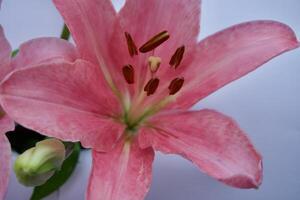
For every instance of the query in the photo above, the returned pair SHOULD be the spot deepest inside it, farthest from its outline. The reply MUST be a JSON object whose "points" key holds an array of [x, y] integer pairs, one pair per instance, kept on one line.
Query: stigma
{"points": [[154, 63]]}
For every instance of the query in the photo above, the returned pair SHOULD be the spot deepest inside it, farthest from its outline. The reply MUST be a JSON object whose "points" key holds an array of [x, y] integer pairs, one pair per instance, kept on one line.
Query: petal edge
{"points": [[232, 53], [209, 139], [124, 173]]}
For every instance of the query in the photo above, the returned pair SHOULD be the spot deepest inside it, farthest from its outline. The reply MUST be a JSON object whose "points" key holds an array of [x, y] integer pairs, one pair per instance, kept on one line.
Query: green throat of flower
{"points": [[133, 123], [137, 108]]}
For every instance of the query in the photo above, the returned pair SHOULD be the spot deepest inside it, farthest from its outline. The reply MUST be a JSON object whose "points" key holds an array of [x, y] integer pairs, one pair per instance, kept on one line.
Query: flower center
{"points": [[145, 100]]}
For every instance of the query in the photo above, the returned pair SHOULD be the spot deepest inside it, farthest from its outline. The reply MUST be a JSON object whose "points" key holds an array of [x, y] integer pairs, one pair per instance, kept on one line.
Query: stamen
{"points": [[131, 45], [151, 86], [177, 57], [128, 73], [154, 63], [154, 42], [175, 85]]}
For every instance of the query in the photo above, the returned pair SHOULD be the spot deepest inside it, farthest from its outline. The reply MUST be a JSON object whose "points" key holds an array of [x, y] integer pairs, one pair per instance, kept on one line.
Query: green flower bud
{"points": [[36, 165]]}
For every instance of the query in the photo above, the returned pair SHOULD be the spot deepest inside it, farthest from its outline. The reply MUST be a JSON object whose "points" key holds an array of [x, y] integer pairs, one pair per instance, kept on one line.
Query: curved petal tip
{"points": [[243, 181]]}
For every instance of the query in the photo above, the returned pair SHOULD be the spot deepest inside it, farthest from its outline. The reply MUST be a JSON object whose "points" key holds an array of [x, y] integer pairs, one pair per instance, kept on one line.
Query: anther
{"points": [[177, 57], [151, 86], [154, 42], [128, 73], [131, 45], [175, 85], [154, 63]]}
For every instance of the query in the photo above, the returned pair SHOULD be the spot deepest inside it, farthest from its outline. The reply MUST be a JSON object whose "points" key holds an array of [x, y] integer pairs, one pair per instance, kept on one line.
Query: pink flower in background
{"points": [[6, 124], [127, 91]]}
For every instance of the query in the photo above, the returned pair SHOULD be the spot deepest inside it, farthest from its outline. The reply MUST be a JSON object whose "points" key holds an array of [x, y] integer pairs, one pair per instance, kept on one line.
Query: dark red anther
{"points": [[175, 85], [177, 57], [151, 86], [131, 45], [154, 42], [128, 73]]}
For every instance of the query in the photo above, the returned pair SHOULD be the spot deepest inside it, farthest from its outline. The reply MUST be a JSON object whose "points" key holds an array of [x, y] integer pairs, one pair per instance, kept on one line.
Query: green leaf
{"points": [[59, 178], [65, 34], [14, 53]]}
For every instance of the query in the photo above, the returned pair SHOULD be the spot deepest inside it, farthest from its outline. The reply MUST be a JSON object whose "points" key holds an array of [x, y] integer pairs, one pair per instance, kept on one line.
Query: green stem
{"points": [[65, 34]]}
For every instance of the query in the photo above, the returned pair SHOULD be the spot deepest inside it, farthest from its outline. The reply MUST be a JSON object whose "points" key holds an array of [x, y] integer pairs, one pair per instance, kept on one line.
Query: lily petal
{"points": [[41, 50], [144, 19], [5, 159], [124, 173], [96, 33], [211, 140], [5, 51], [231, 54], [6, 124], [69, 101], [90, 23], [152, 17]]}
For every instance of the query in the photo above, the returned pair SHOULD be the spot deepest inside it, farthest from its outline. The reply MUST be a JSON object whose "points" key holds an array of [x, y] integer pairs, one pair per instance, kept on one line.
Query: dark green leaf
{"points": [[65, 34], [14, 53], [59, 178]]}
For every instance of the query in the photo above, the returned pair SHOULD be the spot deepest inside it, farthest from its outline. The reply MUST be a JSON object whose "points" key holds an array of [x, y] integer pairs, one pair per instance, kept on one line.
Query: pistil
{"points": [[154, 63], [138, 109]]}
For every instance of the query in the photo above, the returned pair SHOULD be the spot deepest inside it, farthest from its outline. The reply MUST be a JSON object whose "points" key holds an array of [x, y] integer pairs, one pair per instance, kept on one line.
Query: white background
{"points": [[265, 103]]}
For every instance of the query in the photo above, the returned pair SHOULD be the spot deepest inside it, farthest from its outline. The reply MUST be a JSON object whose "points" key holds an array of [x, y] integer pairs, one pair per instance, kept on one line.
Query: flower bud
{"points": [[36, 165]]}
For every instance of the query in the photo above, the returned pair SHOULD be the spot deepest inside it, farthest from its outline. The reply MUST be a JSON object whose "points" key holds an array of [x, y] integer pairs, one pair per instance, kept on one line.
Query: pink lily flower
{"points": [[128, 91], [6, 123], [54, 49]]}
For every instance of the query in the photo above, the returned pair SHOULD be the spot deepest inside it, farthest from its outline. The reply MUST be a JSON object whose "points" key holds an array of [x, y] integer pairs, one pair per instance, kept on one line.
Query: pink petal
{"points": [[5, 48], [90, 23], [96, 33], [232, 53], [144, 19], [122, 174], [6, 124], [5, 156], [212, 141], [5, 51], [66, 100], [41, 50]]}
